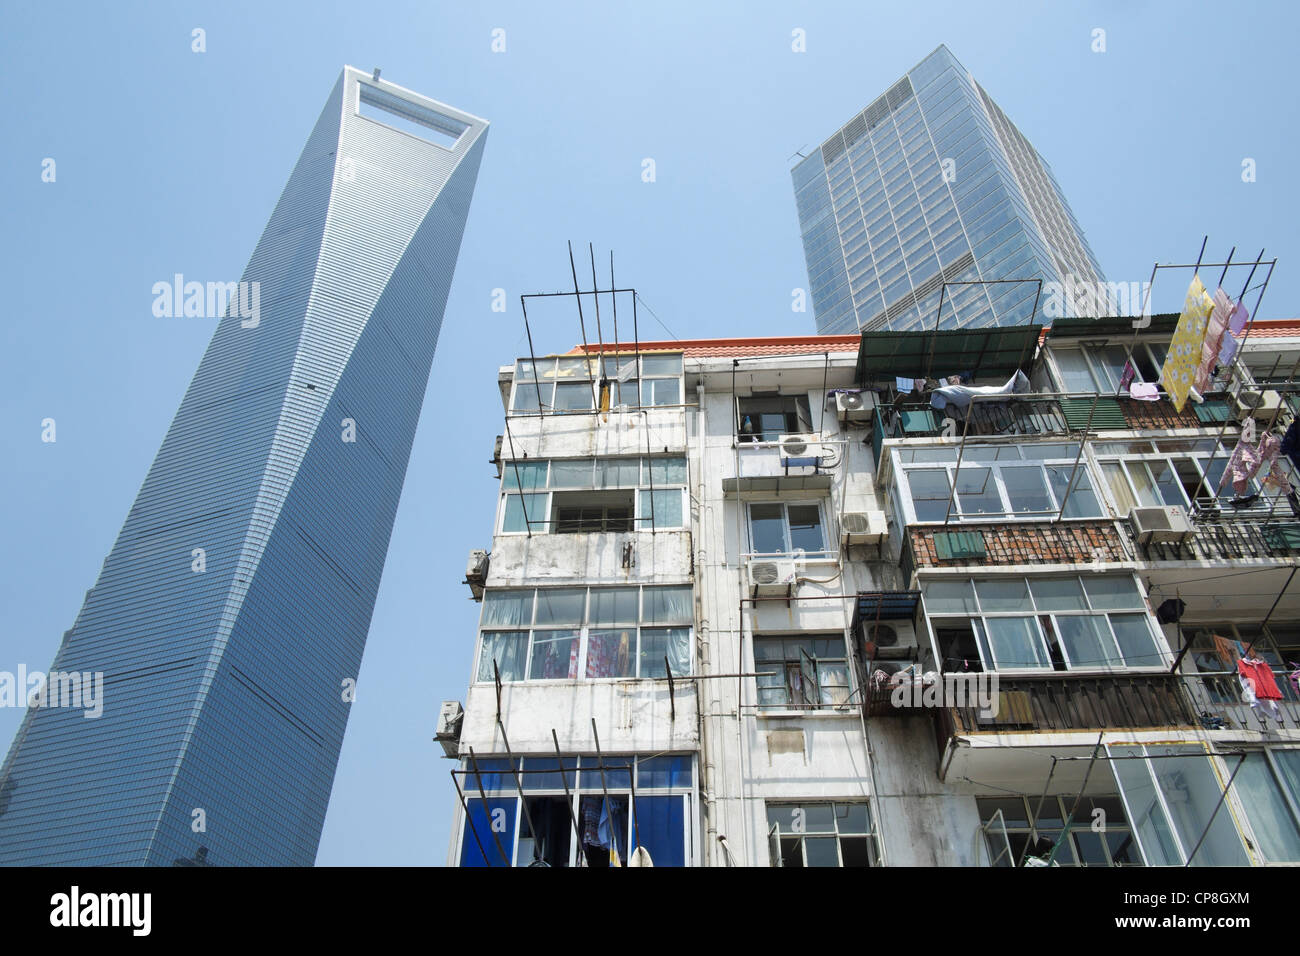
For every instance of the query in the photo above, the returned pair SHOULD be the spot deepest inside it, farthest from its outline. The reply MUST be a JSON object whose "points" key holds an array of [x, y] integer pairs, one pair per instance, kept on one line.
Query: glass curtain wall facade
{"points": [[931, 184], [223, 704]]}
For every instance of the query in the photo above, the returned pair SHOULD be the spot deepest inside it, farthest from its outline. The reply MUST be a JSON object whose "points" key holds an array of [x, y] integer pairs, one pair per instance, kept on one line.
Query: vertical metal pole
{"points": [[483, 795], [1069, 488], [564, 778], [952, 492], [514, 460], [532, 356]]}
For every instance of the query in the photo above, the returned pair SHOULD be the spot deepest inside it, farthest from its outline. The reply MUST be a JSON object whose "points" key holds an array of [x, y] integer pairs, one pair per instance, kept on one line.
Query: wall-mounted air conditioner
{"points": [[770, 577], [800, 446], [1159, 525], [855, 406], [450, 719], [864, 527], [1252, 402], [889, 640]]}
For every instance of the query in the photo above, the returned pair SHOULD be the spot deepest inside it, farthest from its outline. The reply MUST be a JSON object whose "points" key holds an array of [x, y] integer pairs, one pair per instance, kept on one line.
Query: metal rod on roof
{"points": [[483, 795], [514, 460], [586, 351], [1224, 274], [961, 450], [556, 295], [532, 355], [600, 336], [929, 359], [614, 301]]}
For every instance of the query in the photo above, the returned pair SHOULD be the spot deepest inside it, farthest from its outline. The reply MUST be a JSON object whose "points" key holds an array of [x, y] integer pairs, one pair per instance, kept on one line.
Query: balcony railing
{"points": [[1061, 703], [1230, 536], [1217, 700], [1013, 416]]}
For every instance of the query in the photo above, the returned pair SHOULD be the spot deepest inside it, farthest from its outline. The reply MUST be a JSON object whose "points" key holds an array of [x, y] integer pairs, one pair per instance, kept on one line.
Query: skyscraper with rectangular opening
{"points": [[932, 183], [231, 614]]}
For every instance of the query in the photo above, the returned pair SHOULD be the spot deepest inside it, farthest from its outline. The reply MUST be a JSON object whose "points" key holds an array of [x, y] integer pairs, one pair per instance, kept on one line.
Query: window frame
{"points": [[776, 837], [596, 372], [786, 530], [542, 485], [783, 668]]}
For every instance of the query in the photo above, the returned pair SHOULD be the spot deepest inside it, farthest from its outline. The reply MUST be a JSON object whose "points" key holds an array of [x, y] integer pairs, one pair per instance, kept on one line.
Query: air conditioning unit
{"points": [[863, 527], [1252, 402], [855, 406], [476, 569], [889, 640], [800, 446], [1159, 525], [768, 577], [450, 719]]}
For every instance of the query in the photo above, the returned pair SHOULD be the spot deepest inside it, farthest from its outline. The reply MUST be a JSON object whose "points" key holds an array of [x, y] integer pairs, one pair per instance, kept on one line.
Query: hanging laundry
{"points": [[1276, 478], [1228, 348], [1184, 356], [1258, 688], [1224, 651], [1144, 392], [1242, 466], [1215, 327], [904, 385], [953, 380], [1237, 321], [1126, 377]]}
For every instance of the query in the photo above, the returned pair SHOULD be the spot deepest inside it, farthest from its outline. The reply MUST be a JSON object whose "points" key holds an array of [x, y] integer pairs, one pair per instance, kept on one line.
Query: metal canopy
{"points": [[1111, 325], [887, 605], [986, 352]]}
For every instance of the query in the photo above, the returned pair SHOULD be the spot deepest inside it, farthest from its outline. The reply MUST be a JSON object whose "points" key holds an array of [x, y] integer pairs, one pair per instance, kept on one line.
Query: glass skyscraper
{"points": [[932, 183], [231, 614]]}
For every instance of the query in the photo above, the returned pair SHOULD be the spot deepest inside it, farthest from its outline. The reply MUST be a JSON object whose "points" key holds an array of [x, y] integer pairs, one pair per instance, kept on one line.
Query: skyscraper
{"points": [[231, 614], [932, 183]]}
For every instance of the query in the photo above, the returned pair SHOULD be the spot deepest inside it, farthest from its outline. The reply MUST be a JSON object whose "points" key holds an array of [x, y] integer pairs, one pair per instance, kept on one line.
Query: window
{"points": [[1268, 785], [586, 495], [801, 673], [1099, 368], [1030, 834], [1142, 475], [1171, 801], [767, 418], [600, 815], [585, 633], [787, 528], [582, 384], [1092, 622], [821, 834], [1029, 481]]}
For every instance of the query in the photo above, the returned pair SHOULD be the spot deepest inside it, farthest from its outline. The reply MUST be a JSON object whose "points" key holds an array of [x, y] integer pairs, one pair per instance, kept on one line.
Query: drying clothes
{"points": [[1126, 377], [904, 385], [1215, 327], [1276, 478], [1171, 611], [918, 384], [959, 396], [1237, 321], [1259, 676], [953, 380], [1184, 356], [1228, 348], [1145, 392], [1224, 651], [1241, 467]]}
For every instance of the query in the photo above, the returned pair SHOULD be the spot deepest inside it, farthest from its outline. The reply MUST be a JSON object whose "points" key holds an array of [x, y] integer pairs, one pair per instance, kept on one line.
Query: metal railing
{"points": [[1230, 535], [1216, 696], [1014, 415]]}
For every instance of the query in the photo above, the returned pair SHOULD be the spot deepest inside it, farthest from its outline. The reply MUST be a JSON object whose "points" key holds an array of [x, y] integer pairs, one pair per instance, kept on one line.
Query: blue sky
{"points": [[171, 161]]}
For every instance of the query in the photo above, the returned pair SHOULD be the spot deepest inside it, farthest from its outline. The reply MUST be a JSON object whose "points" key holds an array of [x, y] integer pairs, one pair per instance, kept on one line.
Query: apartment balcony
{"points": [[1251, 534], [1216, 699], [801, 463], [1013, 542], [1015, 415]]}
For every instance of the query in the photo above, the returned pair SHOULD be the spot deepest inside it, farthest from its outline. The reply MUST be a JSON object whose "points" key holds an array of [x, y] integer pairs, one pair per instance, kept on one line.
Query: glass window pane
{"points": [[507, 608], [618, 773], [1112, 592], [510, 651], [561, 606], [806, 528], [949, 597], [661, 828], [526, 396], [1058, 594], [1016, 642], [1266, 806], [930, 491], [482, 815], [572, 474], [555, 656], [664, 471], [573, 397], [1003, 594], [617, 472], [1137, 645], [613, 606], [852, 818], [1192, 791], [665, 391], [977, 492], [1116, 478], [822, 851], [672, 643], [581, 367], [767, 525], [1076, 376], [661, 509], [528, 475], [525, 513], [1082, 502], [549, 781], [661, 772], [660, 365], [1167, 484], [1147, 815], [610, 653], [1086, 640], [669, 606], [1027, 490]]}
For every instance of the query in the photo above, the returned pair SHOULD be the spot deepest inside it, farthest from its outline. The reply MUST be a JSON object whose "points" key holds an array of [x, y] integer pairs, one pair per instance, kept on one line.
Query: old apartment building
{"points": [[776, 602]]}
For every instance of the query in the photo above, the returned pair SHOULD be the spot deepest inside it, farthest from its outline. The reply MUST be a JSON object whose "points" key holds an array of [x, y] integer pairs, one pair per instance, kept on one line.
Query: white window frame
{"points": [[541, 522], [825, 553]]}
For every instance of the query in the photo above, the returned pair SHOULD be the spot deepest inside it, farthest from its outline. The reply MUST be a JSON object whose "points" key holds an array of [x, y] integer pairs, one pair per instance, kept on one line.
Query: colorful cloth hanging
{"points": [[1228, 348], [1184, 356], [1237, 321], [1215, 328]]}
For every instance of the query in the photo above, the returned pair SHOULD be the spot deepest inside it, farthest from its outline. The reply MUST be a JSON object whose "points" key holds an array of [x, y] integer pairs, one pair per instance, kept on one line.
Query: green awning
{"points": [[1112, 325], [988, 352]]}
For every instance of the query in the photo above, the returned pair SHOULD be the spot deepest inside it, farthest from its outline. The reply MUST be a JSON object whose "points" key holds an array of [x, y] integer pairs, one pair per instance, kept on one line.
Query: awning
{"points": [[886, 605], [1111, 325], [988, 352]]}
